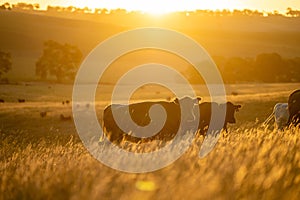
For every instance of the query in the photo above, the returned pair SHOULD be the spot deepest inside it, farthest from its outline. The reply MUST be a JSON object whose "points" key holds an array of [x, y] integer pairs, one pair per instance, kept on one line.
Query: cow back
{"points": [[139, 113]]}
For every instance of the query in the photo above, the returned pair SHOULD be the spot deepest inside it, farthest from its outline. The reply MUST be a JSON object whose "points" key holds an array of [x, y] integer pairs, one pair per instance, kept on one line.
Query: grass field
{"points": [[43, 158]]}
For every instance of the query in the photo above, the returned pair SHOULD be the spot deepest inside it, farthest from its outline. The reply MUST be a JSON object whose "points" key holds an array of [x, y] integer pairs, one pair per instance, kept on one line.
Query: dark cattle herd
{"points": [[182, 115], [139, 112], [196, 117]]}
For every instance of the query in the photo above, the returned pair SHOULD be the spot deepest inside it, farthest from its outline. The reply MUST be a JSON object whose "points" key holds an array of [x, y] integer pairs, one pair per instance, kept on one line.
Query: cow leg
{"points": [[289, 120], [201, 131], [225, 127], [297, 119]]}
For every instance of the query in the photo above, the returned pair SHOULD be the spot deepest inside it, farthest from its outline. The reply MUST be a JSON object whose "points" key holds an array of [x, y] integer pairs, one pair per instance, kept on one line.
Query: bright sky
{"points": [[161, 6]]}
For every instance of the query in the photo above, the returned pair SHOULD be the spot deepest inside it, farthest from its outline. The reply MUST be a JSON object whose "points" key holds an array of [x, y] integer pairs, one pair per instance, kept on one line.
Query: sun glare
{"points": [[155, 11], [154, 7], [157, 7]]}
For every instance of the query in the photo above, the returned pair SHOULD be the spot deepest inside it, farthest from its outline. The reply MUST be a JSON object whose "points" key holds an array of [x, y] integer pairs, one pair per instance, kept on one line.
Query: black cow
{"points": [[294, 108], [43, 113], [139, 112], [21, 100], [206, 109], [65, 118]]}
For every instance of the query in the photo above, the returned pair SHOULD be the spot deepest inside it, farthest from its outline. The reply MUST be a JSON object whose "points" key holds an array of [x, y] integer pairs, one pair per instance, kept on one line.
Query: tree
{"points": [[5, 63], [292, 13], [59, 60], [5, 6], [270, 67], [36, 6], [293, 70], [237, 69], [23, 6]]}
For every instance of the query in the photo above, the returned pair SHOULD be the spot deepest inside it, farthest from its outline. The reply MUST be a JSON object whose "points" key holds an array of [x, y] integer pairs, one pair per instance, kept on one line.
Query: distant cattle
{"points": [[206, 109], [140, 115], [65, 102], [43, 113], [1, 101], [294, 108], [21, 100], [65, 118], [280, 114]]}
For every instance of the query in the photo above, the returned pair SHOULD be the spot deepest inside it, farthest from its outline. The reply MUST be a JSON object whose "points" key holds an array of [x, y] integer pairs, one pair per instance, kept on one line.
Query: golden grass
{"points": [[43, 158], [247, 163]]}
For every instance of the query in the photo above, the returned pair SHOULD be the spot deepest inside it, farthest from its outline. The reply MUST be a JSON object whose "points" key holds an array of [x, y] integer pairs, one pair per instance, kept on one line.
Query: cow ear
{"points": [[237, 107], [176, 100], [199, 99]]}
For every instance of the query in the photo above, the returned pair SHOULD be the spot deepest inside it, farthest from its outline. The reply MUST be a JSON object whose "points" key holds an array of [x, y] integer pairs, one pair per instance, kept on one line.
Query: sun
{"points": [[153, 9]]}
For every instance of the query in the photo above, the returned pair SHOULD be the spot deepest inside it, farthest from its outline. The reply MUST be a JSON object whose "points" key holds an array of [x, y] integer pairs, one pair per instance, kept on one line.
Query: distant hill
{"points": [[22, 34]]}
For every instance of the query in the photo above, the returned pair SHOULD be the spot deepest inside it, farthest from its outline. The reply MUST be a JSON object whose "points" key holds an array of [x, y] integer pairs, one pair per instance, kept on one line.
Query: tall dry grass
{"points": [[246, 164], [43, 158]]}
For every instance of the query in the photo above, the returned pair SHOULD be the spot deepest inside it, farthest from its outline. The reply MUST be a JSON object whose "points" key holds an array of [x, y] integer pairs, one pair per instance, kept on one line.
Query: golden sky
{"points": [[162, 6]]}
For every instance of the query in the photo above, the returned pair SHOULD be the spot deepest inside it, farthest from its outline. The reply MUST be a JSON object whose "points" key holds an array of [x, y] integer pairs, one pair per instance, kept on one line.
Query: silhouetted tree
{"points": [[5, 63], [237, 12], [238, 69], [226, 12], [36, 6], [70, 9], [23, 6], [59, 60], [5, 6], [274, 13], [292, 13], [54, 9], [293, 70], [257, 13], [270, 67]]}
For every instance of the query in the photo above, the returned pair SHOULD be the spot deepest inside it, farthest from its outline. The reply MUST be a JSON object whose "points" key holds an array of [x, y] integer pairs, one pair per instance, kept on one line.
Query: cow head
{"points": [[230, 110], [189, 106]]}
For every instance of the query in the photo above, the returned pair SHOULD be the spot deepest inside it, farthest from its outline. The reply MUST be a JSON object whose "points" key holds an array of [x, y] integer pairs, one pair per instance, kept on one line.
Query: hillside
{"points": [[23, 34]]}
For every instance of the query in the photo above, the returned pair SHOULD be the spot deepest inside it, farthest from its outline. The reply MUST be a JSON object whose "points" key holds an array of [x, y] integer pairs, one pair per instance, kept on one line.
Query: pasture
{"points": [[43, 157]]}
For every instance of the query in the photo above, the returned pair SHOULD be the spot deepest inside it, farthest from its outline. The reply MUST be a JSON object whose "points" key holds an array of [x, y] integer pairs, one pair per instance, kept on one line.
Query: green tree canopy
{"points": [[59, 60]]}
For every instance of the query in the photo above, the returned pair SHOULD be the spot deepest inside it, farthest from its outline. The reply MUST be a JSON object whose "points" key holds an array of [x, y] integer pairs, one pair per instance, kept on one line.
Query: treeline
{"points": [[265, 67], [103, 11], [60, 62]]}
